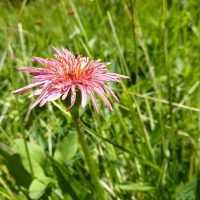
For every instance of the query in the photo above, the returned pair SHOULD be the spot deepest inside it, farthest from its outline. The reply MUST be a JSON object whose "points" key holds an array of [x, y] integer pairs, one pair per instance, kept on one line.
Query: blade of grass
{"points": [[121, 53], [167, 69]]}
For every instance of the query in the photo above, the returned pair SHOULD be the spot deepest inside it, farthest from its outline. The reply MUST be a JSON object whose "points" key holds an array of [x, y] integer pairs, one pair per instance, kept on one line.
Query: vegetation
{"points": [[148, 147]]}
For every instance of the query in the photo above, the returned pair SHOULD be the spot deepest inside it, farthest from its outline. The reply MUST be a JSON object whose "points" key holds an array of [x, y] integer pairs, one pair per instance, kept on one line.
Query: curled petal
{"points": [[50, 97], [73, 96], [84, 95], [111, 93], [94, 101], [103, 97], [35, 93], [40, 98], [64, 96]]}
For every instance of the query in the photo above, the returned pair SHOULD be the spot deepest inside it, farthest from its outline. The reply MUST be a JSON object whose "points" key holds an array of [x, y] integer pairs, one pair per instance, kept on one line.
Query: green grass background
{"points": [[148, 147]]}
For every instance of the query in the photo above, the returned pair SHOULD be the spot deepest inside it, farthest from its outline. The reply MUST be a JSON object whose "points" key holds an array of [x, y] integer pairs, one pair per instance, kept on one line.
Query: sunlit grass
{"points": [[148, 148]]}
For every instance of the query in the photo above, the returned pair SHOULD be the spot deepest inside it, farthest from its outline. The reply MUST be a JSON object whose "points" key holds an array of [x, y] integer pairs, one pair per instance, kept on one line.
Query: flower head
{"points": [[66, 74]]}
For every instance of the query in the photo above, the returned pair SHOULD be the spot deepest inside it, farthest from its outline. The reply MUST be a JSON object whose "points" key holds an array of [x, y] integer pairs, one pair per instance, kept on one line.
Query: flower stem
{"points": [[99, 193]]}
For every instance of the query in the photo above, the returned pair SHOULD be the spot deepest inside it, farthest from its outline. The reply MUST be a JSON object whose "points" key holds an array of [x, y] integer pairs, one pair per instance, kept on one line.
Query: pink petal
{"points": [[51, 97], [100, 85], [43, 102], [103, 97], [44, 76], [111, 93], [94, 101], [73, 97], [40, 98], [55, 50], [33, 70], [118, 75], [28, 87], [40, 60], [35, 93], [66, 93], [84, 96]]}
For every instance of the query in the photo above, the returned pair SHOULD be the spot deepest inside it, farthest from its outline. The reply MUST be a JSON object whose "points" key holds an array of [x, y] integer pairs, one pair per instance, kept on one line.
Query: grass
{"points": [[148, 148]]}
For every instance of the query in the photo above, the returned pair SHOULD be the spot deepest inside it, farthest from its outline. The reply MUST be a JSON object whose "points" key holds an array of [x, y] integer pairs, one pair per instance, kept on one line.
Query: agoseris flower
{"points": [[66, 74]]}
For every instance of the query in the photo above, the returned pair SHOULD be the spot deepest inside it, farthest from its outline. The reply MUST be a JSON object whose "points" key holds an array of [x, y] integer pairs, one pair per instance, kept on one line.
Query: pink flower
{"points": [[66, 73]]}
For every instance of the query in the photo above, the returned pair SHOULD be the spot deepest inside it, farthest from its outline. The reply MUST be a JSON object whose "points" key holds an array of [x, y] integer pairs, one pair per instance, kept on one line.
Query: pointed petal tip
{"points": [[22, 69], [34, 58], [96, 108], [32, 106], [55, 50], [111, 108], [122, 76], [14, 92], [18, 91], [116, 100]]}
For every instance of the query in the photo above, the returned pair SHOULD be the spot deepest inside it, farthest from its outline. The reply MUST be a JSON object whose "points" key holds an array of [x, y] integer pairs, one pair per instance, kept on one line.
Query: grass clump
{"points": [[148, 148]]}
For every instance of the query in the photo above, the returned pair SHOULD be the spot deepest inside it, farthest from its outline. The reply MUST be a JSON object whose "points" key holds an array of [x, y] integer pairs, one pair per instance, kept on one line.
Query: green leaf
{"points": [[66, 148], [14, 164], [68, 184], [36, 152], [37, 155], [136, 187], [38, 187], [17, 170], [186, 191]]}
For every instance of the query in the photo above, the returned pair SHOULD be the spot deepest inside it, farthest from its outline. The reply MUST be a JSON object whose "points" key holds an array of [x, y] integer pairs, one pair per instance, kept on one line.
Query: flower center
{"points": [[71, 75]]}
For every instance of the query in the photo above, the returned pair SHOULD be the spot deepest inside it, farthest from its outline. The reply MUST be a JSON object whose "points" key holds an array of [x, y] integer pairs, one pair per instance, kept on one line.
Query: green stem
{"points": [[99, 193]]}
